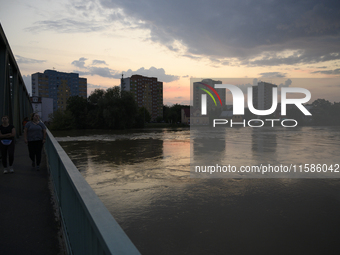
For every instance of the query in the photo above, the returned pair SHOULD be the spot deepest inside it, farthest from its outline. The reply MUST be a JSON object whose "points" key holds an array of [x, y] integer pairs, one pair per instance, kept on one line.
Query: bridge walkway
{"points": [[28, 224]]}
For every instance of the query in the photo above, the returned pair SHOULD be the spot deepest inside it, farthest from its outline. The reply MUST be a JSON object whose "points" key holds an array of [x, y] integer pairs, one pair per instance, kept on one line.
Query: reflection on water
{"points": [[264, 146], [143, 178], [264, 141]]}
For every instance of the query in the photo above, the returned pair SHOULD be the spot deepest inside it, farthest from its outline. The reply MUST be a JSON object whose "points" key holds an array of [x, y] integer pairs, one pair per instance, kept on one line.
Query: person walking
{"points": [[35, 137], [24, 122], [7, 135]]}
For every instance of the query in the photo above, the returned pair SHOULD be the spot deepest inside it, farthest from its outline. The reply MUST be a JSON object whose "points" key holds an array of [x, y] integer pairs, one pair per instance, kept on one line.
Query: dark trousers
{"points": [[7, 149], [34, 150]]}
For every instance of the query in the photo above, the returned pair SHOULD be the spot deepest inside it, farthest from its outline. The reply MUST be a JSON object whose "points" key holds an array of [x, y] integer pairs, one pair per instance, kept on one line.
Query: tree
{"points": [[144, 113], [322, 112], [296, 114], [166, 111], [335, 113], [111, 108], [159, 119], [61, 120], [321, 104], [96, 96], [130, 109], [78, 106], [172, 114]]}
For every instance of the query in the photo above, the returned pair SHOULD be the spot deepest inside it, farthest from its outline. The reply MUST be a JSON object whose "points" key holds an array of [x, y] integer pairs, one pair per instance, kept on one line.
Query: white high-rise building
{"points": [[263, 95]]}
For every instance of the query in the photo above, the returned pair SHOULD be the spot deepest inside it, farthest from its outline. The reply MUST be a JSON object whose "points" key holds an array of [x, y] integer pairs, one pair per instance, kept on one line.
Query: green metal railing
{"points": [[14, 98], [88, 225]]}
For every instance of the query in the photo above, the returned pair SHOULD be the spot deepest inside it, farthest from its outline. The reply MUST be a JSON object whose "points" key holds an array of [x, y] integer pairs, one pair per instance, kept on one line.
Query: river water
{"points": [[143, 178]]}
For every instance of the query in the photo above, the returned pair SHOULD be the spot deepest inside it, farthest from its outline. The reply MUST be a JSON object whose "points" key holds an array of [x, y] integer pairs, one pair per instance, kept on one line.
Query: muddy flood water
{"points": [[143, 178]]}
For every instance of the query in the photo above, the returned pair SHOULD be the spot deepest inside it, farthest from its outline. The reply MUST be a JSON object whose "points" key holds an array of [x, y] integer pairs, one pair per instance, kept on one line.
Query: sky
{"points": [[177, 40]]}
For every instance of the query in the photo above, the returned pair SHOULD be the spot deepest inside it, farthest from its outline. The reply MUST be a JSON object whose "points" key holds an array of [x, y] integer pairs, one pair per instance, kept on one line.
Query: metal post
{"points": [[3, 78]]}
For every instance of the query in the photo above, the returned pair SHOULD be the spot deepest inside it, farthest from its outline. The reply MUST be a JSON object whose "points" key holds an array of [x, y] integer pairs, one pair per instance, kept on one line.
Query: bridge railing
{"points": [[14, 98], [88, 225]]}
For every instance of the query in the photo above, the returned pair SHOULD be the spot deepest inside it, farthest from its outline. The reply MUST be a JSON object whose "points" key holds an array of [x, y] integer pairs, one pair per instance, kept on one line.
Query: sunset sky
{"points": [[177, 40]]}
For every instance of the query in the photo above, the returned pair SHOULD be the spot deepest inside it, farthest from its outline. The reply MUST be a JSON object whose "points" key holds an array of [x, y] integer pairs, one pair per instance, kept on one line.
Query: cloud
{"points": [[172, 101], [191, 56], [66, 25], [153, 72], [333, 72], [273, 75], [79, 63], [306, 56], [103, 72], [98, 62], [79, 17], [100, 71], [92, 86], [287, 84], [251, 33], [186, 102], [81, 73], [23, 60], [114, 74], [93, 70]]}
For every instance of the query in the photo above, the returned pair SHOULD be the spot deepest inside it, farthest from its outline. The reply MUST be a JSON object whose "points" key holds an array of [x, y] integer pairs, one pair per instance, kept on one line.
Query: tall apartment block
{"points": [[147, 91], [59, 86], [197, 92], [263, 95]]}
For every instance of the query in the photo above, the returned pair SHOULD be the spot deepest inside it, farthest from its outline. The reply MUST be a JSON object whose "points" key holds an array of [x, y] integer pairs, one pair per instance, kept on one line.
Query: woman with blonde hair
{"points": [[7, 135], [35, 137]]}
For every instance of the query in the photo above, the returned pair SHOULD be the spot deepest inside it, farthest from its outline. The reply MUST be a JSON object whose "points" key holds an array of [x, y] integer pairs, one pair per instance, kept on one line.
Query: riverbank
{"points": [[165, 125], [147, 125]]}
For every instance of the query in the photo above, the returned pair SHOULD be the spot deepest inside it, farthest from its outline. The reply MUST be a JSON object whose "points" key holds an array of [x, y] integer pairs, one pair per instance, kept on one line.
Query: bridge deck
{"points": [[27, 221]]}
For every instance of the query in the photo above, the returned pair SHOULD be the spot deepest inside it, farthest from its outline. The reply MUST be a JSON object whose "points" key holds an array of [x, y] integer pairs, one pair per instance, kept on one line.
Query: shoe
{"points": [[38, 168], [33, 164], [5, 171], [11, 170]]}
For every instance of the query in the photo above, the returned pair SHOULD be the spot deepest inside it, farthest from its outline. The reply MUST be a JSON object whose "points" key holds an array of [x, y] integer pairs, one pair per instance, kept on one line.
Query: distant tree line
{"points": [[325, 113], [108, 109], [172, 114], [115, 109]]}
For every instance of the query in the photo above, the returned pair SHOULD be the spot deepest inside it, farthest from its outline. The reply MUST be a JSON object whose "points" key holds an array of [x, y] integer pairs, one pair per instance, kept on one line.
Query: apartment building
{"points": [[59, 86], [263, 95], [147, 91]]}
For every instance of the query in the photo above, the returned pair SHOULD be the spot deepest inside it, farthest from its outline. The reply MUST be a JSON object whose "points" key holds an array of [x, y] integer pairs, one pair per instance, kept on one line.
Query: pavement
{"points": [[28, 223]]}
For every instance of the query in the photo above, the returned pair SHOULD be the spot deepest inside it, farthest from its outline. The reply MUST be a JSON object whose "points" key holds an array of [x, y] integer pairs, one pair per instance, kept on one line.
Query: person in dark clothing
{"points": [[35, 137], [7, 144], [24, 122]]}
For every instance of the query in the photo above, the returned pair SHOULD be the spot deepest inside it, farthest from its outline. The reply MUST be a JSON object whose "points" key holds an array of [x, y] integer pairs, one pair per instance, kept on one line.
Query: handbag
{"points": [[6, 141]]}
